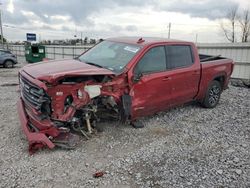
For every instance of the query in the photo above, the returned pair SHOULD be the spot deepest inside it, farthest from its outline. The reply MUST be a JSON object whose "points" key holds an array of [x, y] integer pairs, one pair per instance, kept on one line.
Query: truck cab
{"points": [[167, 74], [120, 78]]}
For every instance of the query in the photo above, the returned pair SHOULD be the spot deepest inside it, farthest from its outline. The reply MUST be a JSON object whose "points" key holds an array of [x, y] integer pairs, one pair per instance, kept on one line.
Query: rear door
{"points": [[185, 73], [152, 90]]}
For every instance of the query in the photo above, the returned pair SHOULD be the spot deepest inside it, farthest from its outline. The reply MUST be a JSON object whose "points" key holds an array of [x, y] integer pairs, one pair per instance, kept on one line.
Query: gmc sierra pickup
{"points": [[120, 78]]}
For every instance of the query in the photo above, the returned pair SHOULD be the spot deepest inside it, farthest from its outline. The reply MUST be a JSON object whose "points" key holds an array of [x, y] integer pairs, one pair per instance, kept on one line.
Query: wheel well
{"points": [[8, 60], [220, 79]]}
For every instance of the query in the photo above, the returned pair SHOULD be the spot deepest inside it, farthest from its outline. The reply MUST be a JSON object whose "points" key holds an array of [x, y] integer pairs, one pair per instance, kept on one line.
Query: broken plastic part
{"points": [[93, 91], [88, 124], [66, 140], [98, 174]]}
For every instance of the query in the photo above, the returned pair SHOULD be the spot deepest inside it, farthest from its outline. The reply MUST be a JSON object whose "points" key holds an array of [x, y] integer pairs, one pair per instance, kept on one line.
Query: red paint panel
{"points": [[151, 94], [51, 71]]}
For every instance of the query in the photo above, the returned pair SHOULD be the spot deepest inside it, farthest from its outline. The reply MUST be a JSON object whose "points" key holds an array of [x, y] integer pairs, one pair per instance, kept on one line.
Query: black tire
{"points": [[137, 124], [8, 64], [212, 95]]}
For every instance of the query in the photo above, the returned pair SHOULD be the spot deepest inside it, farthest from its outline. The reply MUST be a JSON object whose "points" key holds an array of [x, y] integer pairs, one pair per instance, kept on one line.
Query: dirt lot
{"points": [[188, 146]]}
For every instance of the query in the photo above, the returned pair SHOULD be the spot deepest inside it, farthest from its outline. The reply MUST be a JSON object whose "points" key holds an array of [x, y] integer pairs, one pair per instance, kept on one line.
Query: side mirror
{"points": [[137, 77]]}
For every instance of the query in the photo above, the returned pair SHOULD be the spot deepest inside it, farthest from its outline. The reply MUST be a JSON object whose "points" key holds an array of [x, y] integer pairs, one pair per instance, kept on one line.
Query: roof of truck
{"points": [[144, 40]]}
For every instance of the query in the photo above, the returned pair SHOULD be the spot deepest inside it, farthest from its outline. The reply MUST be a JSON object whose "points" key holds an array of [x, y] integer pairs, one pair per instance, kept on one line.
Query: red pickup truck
{"points": [[120, 78]]}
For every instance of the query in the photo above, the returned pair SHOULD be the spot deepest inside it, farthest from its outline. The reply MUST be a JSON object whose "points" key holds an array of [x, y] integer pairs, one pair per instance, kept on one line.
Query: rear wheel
{"points": [[8, 64], [212, 95]]}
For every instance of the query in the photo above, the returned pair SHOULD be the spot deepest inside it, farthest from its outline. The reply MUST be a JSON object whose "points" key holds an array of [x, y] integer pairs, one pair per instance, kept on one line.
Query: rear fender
{"points": [[205, 83]]}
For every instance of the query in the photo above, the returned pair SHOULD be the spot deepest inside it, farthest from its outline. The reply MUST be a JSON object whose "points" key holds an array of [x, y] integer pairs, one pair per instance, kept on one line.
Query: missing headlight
{"points": [[68, 101]]}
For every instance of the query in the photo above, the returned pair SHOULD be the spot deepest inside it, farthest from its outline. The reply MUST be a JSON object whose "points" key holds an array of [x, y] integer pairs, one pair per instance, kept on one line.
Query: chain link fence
{"points": [[239, 52]]}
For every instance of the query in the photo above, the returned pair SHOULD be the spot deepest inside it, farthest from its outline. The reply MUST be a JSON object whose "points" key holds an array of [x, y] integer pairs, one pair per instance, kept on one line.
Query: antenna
{"points": [[140, 40]]}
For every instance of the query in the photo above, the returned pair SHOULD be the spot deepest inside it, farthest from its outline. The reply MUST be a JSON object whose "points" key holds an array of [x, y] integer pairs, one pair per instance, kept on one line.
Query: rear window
{"points": [[179, 56]]}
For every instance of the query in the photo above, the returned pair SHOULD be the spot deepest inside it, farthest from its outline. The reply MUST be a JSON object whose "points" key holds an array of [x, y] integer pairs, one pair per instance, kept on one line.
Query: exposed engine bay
{"points": [[75, 105]]}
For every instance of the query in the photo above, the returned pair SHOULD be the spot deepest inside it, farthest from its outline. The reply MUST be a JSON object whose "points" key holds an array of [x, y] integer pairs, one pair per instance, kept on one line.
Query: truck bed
{"points": [[208, 58], [212, 67]]}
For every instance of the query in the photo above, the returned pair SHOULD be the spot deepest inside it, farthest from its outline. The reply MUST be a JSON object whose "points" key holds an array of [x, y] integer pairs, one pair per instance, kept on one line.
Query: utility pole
{"points": [[81, 37], [169, 29], [196, 38], [1, 25]]}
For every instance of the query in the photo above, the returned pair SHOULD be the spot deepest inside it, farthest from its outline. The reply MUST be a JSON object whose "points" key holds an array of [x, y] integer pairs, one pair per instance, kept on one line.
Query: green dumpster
{"points": [[34, 53]]}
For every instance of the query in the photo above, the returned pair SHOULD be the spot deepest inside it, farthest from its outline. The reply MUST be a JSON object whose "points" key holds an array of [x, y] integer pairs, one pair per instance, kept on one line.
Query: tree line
{"points": [[237, 20]]}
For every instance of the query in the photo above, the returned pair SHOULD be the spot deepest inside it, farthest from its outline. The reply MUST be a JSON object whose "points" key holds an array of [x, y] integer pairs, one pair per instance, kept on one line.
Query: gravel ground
{"points": [[188, 146]]}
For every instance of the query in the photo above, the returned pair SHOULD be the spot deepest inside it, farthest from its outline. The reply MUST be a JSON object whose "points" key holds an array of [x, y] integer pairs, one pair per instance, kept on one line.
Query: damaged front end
{"points": [[56, 113]]}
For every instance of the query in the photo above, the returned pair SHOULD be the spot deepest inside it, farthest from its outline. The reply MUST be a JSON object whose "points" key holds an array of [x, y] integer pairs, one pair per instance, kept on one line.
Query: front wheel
{"points": [[212, 95], [8, 64]]}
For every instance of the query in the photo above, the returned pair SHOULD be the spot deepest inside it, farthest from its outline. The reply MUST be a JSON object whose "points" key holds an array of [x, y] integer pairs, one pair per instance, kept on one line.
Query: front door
{"points": [[151, 90]]}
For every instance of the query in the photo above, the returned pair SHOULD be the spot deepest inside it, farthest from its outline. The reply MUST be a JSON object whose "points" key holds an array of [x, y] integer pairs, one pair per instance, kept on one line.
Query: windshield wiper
{"points": [[90, 63]]}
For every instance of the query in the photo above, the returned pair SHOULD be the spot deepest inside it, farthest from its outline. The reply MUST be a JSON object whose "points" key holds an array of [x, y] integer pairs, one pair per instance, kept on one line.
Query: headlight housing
{"points": [[79, 94]]}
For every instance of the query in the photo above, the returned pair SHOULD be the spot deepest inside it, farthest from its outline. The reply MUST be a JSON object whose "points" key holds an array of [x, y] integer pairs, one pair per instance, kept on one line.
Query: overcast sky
{"points": [[60, 19]]}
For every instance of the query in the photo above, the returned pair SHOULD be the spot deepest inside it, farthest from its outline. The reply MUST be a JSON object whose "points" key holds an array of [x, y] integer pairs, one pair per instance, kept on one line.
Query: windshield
{"points": [[110, 55]]}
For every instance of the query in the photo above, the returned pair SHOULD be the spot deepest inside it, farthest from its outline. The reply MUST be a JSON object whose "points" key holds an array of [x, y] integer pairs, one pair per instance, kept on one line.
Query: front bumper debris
{"points": [[36, 140], [49, 137]]}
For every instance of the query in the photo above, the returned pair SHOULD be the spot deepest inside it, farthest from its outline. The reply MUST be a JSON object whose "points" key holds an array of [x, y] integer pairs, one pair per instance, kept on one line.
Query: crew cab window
{"points": [[153, 61], [179, 56]]}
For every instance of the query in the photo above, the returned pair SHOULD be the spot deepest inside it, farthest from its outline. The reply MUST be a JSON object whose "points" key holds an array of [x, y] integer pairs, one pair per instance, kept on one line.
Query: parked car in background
{"points": [[7, 59]]}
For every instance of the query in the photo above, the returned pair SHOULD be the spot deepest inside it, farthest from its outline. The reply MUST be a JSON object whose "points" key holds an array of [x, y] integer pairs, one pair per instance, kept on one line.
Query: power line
{"points": [[196, 24], [28, 29], [205, 25]]}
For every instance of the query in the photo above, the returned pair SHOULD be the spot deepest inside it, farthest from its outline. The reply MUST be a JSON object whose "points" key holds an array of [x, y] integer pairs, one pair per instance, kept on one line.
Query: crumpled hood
{"points": [[54, 70]]}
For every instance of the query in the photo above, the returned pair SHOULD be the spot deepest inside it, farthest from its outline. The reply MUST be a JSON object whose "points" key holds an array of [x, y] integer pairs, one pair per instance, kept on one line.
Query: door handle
{"points": [[166, 78], [196, 72]]}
